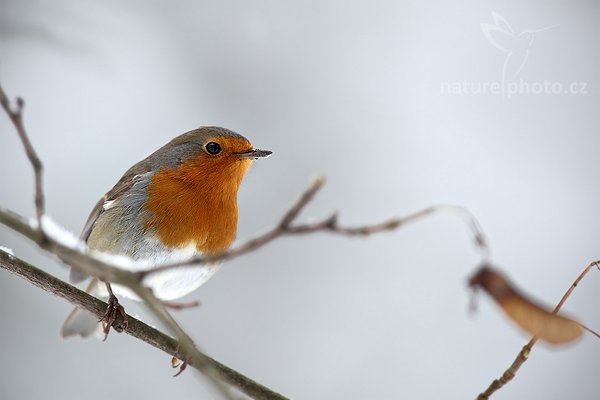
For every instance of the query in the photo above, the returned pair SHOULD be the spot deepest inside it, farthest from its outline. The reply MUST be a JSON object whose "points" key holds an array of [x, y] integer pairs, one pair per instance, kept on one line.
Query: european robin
{"points": [[178, 202]]}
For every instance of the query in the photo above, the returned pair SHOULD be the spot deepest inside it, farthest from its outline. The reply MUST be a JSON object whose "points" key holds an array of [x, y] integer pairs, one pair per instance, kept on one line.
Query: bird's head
{"points": [[193, 194]]}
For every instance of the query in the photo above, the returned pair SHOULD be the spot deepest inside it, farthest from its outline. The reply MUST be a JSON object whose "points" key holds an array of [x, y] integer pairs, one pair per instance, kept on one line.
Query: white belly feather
{"points": [[168, 285]]}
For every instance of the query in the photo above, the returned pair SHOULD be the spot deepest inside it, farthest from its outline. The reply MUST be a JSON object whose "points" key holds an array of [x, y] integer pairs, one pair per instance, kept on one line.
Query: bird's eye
{"points": [[213, 148]]}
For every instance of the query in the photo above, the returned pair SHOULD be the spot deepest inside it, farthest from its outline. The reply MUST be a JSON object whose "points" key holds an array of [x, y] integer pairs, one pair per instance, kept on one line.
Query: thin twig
{"points": [[523, 355], [306, 198], [135, 327], [330, 224], [16, 116]]}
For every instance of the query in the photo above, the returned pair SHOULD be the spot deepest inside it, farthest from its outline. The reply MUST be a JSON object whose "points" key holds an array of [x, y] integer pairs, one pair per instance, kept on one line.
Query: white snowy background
{"points": [[350, 90]]}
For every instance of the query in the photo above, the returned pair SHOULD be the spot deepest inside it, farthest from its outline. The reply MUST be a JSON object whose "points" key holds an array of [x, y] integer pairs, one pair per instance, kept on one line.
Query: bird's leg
{"points": [[113, 309]]}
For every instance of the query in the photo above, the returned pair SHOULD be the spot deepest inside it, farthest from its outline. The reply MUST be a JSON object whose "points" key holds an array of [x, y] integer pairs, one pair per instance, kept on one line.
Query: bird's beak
{"points": [[255, 153]]}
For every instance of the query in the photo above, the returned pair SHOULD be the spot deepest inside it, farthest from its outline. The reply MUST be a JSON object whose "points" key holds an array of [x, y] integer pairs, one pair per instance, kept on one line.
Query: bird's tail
{"points": [[81, 322]]}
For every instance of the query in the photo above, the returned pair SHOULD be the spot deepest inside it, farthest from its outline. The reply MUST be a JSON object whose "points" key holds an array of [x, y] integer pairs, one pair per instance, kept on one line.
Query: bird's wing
{"points": [[129, 179], [133, 175], [89, 224], [125, 183]]}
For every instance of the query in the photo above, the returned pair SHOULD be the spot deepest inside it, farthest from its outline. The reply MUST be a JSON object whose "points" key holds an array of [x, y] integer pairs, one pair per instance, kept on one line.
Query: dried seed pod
{"points": [[533, 318]]}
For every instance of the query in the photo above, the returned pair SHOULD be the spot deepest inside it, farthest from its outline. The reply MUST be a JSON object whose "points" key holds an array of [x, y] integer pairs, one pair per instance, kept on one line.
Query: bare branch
{"points": [[523, 355], [135, 328], [16, 116]]}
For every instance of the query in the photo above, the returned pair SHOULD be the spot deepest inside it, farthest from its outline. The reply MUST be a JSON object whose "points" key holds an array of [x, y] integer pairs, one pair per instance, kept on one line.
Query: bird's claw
{"points": [[176, 362], [110, 316]]}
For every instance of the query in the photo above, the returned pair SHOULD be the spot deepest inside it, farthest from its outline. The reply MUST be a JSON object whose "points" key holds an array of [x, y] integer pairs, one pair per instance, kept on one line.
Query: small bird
{"points": [[178, 202]]}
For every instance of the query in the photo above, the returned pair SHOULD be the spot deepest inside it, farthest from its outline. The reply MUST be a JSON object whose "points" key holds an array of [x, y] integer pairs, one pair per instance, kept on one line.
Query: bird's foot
{"points": [[113, 310]]}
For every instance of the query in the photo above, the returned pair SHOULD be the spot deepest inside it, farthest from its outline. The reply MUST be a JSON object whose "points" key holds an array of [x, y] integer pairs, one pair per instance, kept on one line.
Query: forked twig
{"points": [[15, 113]]}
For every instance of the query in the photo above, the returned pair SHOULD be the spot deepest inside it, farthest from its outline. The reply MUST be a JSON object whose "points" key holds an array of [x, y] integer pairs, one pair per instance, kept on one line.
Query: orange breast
{"points": [[196, 203]]}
